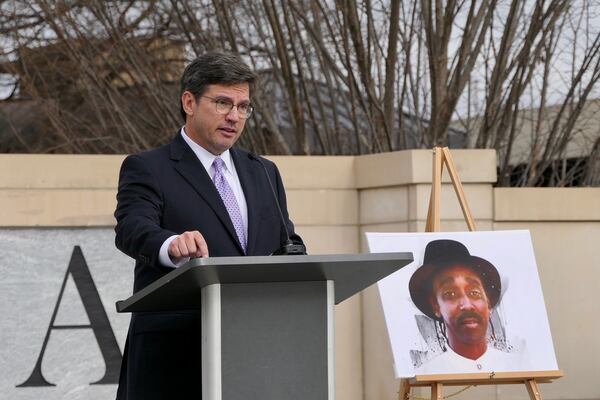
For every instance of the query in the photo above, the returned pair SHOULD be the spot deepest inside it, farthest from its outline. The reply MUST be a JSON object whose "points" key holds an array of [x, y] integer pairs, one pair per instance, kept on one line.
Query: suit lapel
{"points": [[249, 175], [192, 170]]}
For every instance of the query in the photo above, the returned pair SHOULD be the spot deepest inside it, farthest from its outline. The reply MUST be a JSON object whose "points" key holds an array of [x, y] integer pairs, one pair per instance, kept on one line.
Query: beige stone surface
{"points": [[348, 344], [54, 171], [102, 171], [316, 172], [383, 205], [569, 267], [547, 204], [385, 169], [380, 383], [457, 225], [57, 207], [323, 239], [323, 206], [415, 166], [479, 198]]}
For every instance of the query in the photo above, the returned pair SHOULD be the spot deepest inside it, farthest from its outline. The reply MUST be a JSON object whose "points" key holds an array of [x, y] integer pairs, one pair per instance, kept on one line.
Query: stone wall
{"points": [[53, 204]]}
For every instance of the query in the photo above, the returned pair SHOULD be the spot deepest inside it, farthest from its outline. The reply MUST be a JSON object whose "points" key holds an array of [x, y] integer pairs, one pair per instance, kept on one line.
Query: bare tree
{"points": [[449, 77], [522, 68], [337, 77]]}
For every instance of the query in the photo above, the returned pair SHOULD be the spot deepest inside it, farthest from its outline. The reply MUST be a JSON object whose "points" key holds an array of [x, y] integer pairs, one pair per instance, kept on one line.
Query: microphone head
{"points": [[290, 249]]}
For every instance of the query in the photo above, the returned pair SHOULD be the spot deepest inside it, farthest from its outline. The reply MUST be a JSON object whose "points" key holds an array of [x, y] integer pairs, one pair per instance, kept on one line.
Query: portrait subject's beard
{"points": [[469, 327]]}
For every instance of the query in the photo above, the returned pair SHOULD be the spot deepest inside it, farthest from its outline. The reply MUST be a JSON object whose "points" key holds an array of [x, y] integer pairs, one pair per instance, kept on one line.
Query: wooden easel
{"points": [[441, 157]]}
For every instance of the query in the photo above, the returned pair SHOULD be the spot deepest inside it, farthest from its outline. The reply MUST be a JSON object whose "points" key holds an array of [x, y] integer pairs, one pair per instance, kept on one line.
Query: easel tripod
{"points": [[437, 382]]}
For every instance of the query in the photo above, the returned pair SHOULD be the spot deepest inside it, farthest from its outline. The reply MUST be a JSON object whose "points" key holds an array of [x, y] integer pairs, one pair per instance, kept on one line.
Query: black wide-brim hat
{"points": [[445, 253]]}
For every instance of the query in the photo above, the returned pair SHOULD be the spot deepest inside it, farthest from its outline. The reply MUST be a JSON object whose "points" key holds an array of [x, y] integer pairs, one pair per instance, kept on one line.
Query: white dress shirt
{"points": [[230, 173]]}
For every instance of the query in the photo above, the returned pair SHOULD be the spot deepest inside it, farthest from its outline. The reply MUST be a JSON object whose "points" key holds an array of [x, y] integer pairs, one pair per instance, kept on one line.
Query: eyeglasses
{"points": [[224, 107]]}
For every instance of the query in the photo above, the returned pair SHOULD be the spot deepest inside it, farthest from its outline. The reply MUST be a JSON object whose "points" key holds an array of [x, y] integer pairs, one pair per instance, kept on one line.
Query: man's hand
{"points": [[189, 244]]}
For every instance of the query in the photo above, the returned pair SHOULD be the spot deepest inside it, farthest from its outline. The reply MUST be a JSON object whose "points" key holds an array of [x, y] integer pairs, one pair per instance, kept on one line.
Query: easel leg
{"points": [[458, 188], [436, 391], [404, 391], [533, 389], [433, 213]]}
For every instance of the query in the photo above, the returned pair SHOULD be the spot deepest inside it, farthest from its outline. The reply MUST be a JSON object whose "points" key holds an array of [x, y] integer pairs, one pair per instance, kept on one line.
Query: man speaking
{"points": [[195, 197]]}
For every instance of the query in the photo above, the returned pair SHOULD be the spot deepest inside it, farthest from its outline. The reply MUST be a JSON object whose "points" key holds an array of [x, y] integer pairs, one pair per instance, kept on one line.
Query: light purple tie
{"points": [[230, 201]]}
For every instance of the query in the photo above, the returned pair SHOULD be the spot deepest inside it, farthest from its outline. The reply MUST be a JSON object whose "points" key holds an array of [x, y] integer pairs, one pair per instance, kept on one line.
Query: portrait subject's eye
{"points": [[475, 293], [243, 108], [448, 294]]}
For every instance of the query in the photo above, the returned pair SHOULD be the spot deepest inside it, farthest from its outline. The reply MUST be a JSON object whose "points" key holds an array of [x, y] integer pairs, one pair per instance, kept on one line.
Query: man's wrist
{"points": [[165, 259]]}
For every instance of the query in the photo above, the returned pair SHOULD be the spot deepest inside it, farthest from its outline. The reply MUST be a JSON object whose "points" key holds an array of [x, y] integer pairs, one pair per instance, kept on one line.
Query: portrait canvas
{"points": [[469, 302]]}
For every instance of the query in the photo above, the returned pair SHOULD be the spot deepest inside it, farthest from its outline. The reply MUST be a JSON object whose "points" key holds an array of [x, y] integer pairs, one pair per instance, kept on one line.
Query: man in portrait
{"points": [[197, 196], [458, 292]]}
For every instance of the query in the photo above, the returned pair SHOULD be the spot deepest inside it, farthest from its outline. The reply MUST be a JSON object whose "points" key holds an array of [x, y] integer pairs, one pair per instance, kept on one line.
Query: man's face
{"points": [[211, 130], [460, 300]]}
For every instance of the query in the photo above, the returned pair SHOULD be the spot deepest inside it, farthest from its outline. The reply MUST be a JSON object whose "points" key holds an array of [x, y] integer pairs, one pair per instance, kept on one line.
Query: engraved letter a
{"points": [[98, 323]]}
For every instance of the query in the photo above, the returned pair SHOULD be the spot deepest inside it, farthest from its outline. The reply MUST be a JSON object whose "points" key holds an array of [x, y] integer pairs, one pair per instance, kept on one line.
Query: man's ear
{"points": [[188, 102]]}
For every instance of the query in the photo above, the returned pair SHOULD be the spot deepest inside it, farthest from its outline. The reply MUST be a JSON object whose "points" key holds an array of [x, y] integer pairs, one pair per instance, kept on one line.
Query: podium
{"points": [[267, 322]]}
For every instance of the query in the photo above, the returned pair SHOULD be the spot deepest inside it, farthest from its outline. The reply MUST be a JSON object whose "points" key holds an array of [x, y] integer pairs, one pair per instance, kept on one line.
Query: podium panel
{"points": [[275, 341]]}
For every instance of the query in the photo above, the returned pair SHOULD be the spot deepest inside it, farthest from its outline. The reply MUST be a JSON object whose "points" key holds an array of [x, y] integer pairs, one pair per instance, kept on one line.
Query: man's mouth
{"points": [[470, 320], [228, 130]]}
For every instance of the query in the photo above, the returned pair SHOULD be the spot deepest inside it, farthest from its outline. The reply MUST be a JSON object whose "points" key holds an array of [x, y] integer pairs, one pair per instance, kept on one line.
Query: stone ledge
{"points": [[35, 171], [547, 204], [55, 171], [414, 166], [316, 172], [57, 207], [322, 206]]}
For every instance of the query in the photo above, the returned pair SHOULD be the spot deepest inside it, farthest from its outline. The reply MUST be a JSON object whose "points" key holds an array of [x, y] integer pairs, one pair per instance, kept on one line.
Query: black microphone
{"points": [[289, 248]]}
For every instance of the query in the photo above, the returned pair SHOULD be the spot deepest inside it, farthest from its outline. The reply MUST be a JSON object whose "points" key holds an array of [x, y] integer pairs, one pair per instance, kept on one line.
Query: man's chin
{"points": [[473, 337], [472, 332], [226, 141], [223, 145]]}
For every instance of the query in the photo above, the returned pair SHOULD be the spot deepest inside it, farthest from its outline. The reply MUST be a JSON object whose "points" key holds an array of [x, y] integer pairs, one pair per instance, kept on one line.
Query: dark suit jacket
{"points": [[164, 192]]}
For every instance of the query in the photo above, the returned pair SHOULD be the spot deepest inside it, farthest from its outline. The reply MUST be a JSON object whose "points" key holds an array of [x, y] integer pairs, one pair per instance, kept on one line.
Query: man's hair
{"points": [[214, 68]]}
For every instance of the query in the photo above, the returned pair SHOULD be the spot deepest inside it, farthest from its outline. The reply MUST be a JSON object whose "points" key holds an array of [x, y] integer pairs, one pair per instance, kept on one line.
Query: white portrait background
{"points": [[521, 309]]}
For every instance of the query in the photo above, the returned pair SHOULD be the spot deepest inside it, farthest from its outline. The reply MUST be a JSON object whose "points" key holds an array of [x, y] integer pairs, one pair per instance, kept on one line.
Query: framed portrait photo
{"points": [[470, 302]]}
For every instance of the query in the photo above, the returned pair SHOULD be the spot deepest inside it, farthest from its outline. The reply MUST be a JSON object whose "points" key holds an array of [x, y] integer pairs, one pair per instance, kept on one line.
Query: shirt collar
{"points": [[205, 156], [482, 357]]}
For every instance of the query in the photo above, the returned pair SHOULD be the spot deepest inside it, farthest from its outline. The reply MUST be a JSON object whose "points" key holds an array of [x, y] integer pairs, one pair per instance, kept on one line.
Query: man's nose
{"points": [[233, 114], [465, 303]]}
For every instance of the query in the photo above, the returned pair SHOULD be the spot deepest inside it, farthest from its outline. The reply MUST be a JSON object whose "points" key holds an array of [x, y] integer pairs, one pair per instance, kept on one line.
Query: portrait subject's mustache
{"points": [[469, 315]]}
